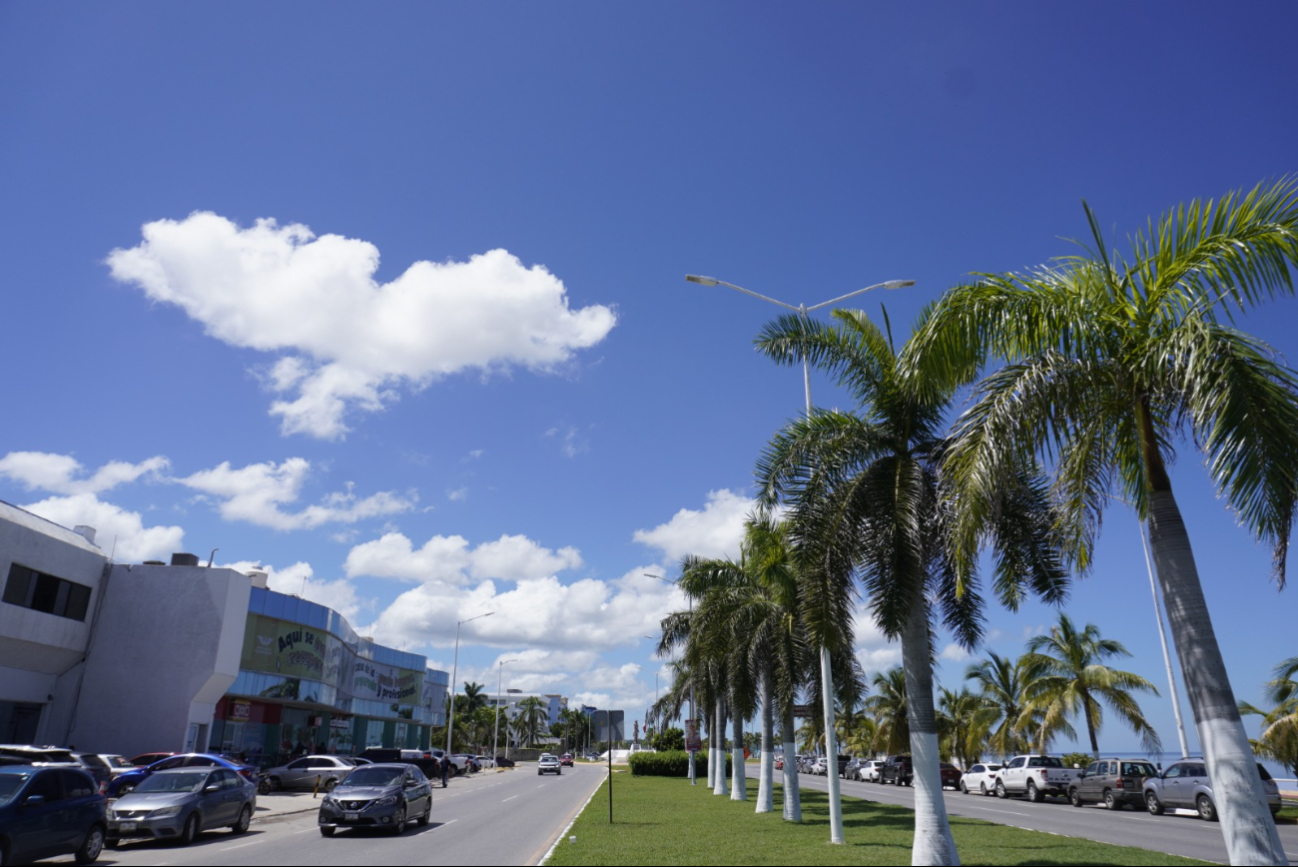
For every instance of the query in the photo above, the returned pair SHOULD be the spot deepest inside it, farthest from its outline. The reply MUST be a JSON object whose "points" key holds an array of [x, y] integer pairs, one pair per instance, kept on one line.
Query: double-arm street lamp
{"points": [[694, 720], [455, 668], [495, 738], [826, 675]]}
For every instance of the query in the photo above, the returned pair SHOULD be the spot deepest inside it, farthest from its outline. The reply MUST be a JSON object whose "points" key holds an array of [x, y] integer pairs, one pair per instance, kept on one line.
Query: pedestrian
{"points": [[446, 768]]}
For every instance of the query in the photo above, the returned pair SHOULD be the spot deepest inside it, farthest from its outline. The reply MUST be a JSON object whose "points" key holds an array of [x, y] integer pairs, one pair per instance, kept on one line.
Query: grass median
{"points": [[665, 821]]}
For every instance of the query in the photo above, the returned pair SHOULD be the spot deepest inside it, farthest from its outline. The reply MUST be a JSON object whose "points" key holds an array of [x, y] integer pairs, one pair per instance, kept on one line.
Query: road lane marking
{"points": [[510, 798], [240, 846]]}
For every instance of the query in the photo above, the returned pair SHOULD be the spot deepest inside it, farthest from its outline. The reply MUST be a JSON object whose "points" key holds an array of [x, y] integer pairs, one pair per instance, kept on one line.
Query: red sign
{"points": [[692, 741]]}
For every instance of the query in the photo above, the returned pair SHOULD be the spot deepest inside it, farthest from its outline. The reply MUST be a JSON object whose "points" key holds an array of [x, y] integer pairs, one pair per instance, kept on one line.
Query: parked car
{"points": [[382, 796], [485, 761], [897, 770], [124, 783], [1035, 776], [502, 762], [950, 775], [566, 760], [143, 760], [980, 776], [779, 763], [850, 769], [1185, 785], [548, 764], [1117, 783], [869, 771], [431, 766], [47, 812], [117, 764], [820, 767], [180, 803], [304, 773], [43, 757], [94, 765]]}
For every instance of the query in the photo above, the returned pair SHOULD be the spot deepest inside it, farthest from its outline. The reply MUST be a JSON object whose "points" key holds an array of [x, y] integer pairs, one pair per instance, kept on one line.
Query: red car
{"points": [[779, 763], [565, 759], [950, 775]]}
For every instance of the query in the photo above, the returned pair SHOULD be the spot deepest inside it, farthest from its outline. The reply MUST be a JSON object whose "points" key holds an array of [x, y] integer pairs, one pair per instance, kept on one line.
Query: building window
{"points": [[41, 592]]}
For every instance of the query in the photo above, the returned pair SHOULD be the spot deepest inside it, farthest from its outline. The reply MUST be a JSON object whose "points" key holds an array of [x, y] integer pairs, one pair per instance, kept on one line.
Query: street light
{"points": [[826, 675], [455, 668], [694, 720], [495, 738]]}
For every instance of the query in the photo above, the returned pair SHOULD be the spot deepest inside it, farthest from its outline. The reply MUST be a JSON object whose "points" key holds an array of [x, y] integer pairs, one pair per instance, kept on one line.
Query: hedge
{"points": [[673, 763]]}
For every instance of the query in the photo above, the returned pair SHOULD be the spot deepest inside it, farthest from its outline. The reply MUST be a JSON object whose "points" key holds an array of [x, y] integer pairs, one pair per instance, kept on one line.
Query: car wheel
{"points": [[1000, 790], [982, 789], [263, 787], [1153, 805], [964, 790], [327, 831], [245, 819], [399, 823], [1110, 801], [1074, 797], [1207, 812], [330, 783], [1034, 795], [91, 846], [190, 832], [428, 814]]}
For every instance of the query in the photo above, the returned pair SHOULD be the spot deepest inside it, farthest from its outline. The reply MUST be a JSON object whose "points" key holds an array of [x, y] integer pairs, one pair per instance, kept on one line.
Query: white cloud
{"points": [[59, 474], [350, 343], [458, 494], [954, 653], [299, 580], [120, 533], [570, 442], [714, 532], [256, 494], [449, 559]]}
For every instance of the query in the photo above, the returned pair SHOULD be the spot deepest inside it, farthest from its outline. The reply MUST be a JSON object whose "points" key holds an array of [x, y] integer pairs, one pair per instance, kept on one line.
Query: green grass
{"points": [[666, 821], [1288, 815]]}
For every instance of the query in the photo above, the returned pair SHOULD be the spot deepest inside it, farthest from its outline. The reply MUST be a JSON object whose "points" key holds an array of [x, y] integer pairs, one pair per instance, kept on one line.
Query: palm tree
{"points": [[868, 500], [1279, 738], [1109, 360], [474, 697], [891, 716], [1004, 684], [530, 721], [963, 721], [1069, 677]]}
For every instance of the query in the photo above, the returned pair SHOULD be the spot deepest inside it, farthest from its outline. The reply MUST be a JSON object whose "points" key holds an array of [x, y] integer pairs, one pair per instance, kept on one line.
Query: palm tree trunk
{"points": [[1089, 710], [831, 749], [739, 770], [1246, 824], [766, 776], [720, 787], [712, 749], [792, 793], [933, 841]]}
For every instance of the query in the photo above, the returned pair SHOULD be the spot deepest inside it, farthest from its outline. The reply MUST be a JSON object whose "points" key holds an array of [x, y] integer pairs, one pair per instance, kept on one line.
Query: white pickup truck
{"points": [[1035, 776]]}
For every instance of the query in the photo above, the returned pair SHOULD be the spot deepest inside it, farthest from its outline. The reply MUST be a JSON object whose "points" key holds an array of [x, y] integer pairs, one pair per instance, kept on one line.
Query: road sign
{"points": [[693, 742], [803, 710]]}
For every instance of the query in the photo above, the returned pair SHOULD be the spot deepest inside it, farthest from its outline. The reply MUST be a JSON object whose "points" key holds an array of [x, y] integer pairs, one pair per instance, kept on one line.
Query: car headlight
{"points": [[164, 812], [386, 802]]}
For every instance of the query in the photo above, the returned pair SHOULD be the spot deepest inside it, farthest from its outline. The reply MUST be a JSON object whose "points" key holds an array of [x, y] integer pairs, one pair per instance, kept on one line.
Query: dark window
{"points": [[1173, 772], [46, 593], [77, 784], [1261, 770], [47, 786]]}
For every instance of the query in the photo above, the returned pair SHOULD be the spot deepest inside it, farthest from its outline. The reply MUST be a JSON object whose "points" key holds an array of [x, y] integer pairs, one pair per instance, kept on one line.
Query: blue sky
{"points": [[528, 431]]}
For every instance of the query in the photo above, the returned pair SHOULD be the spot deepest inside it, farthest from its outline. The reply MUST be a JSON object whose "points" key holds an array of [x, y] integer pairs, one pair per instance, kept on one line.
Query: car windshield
{"points": [[185, 782], [1138, 769], [9, 786], [374, 777]]}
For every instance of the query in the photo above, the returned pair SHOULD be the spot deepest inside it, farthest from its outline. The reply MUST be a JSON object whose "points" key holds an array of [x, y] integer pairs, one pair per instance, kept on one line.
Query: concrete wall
{"points": [[166, 649]]}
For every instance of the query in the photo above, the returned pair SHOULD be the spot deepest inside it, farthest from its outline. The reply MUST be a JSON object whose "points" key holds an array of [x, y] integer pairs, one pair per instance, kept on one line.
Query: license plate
{"points": [[351, 817], [127, 826]]}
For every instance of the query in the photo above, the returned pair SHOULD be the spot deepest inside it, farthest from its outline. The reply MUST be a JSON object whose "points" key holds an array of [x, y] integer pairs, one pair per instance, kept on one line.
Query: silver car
{"points": [[304, 772], [180, 803], [1185, 785], [548, 764]]}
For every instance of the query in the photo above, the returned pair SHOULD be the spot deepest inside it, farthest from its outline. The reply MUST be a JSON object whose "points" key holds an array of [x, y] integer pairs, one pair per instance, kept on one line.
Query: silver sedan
{"points": [[180, 803], [304, 773]]}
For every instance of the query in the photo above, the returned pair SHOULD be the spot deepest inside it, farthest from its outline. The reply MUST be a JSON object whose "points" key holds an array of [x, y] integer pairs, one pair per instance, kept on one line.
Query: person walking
{"points": [[446, 767]]}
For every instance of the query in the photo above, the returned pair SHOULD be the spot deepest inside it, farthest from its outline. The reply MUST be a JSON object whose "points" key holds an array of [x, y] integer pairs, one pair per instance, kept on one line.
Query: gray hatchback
{"points": [[180, 803], [379, 796]]}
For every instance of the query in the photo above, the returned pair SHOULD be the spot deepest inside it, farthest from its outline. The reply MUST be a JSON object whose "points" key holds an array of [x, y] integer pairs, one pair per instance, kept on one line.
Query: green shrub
{"points": [[673, 763], [1070, 759]]}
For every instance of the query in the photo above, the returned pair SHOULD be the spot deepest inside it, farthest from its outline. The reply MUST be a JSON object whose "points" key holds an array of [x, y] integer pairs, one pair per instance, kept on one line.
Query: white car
{"points": [[485, 762], [549, 765], [869, 772], [980, 777]]}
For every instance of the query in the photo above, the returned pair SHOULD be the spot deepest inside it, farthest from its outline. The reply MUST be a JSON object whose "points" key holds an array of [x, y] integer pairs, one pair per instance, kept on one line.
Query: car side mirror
{"points": [[212, 788], [33, 800], [410, 784]]}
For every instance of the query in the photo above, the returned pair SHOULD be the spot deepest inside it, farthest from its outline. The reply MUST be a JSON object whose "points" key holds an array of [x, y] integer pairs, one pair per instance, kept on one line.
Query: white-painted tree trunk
{"points": [[738, 768], [831, 749], [1246, 823], [933, 841], [792, 792], [712, 749], [721, 787], [766, 777]]}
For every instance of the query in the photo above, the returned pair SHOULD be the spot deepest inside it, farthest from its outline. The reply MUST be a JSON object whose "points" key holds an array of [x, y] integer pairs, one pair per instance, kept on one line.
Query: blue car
{"points": [[126, 782], [48, 812]]}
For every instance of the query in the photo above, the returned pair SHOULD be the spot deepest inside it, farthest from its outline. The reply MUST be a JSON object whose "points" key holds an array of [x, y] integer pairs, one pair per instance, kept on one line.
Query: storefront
{"points": [[308, 684]]}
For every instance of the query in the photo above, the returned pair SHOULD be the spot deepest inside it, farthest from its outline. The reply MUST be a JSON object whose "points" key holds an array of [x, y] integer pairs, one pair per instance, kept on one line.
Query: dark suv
{"points": [[1116, 783], [897, 770]]}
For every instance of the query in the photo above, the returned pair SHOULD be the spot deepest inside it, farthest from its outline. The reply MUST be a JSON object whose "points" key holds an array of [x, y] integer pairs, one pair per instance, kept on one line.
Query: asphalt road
{"points": [[1180, 834], [507, 818]]}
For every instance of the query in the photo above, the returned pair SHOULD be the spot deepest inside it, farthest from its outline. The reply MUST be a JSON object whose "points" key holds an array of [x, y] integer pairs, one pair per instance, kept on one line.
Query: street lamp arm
{"points": [[712, 281], [890, 284]]}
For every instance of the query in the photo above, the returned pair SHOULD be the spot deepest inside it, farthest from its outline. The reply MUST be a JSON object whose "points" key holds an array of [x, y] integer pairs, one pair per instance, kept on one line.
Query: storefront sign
{"points": [[240, 711]]}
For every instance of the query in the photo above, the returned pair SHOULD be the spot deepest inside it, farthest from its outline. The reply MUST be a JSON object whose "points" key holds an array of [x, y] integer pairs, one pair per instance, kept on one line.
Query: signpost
{"points": [[693, 742], [804, 711]]}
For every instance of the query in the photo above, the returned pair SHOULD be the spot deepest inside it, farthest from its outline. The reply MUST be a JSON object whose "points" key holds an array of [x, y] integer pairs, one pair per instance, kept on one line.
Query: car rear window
{"points": [[95, 761], [1138, 769], [1044, 762]]}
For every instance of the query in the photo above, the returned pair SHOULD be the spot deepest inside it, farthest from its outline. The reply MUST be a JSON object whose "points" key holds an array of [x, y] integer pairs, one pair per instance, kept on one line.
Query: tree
{"points": [[868, 500], [530, 721], [964, 720], [1003, 684], [891, 716], [1068, 677], [1107, 361], [1278, 740], [669, 739], [474, 698]]}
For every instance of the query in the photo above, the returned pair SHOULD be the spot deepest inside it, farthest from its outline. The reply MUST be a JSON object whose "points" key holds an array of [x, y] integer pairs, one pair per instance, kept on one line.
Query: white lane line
{"points": [[444, 824], [240, 846], [510, 798]]}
